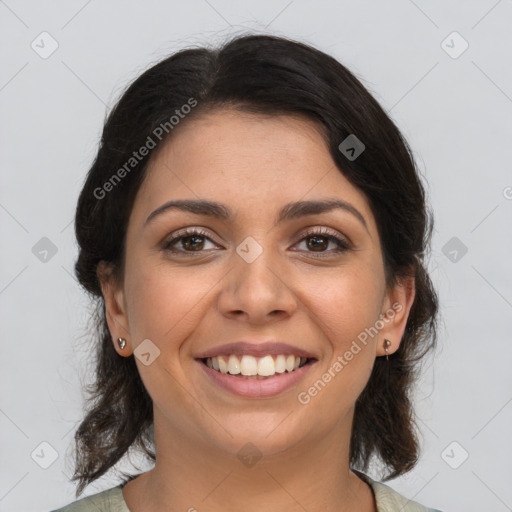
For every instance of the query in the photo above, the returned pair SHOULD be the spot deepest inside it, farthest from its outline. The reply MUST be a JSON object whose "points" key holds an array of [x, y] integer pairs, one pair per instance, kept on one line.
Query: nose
{"points": [[256, 292]]}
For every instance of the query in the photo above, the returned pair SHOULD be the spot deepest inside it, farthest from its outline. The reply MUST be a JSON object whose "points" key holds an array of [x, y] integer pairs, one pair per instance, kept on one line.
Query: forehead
{"points": [[231, 140], [252, 161]]}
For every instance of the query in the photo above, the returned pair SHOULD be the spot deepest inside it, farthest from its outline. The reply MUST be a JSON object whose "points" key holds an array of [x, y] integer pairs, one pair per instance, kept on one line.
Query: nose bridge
{"points": [[256, 266], [255, 285]]}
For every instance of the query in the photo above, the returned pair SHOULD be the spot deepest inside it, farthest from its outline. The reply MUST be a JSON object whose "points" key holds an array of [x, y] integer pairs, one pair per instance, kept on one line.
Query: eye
{"points": [[318, 240], [190, 241]]}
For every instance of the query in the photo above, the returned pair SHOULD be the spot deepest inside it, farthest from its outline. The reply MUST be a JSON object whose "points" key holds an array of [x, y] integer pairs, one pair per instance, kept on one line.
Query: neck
{"points": [[192, 473]]}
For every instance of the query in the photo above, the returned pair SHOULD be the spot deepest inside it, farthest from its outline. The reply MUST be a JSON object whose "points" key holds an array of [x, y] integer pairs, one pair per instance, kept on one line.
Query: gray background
{"points": [[455, 110]]}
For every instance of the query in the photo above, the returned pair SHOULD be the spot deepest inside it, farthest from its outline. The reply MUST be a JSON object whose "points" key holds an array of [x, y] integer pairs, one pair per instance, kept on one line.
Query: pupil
{"points": [[316, 245], [188, 245]]}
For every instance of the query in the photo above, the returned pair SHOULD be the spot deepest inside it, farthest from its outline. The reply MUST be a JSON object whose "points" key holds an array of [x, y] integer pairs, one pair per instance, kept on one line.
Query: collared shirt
{"points": [[112, 500]]}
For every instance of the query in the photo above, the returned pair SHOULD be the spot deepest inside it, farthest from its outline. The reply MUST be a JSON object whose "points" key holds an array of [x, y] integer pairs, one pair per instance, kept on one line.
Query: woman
{"points": [[254, 229]]}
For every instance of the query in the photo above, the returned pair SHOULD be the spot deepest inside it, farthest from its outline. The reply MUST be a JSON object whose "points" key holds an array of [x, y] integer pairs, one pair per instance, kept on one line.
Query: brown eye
{"points": [[189, 241], [318, 242], [192, 242]]}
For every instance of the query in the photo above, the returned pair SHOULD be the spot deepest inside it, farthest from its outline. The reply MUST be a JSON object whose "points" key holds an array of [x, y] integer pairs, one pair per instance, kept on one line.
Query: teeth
{"points": [[250, 365], [266, 366], [223, 365], [280, 364], [234, 365]]}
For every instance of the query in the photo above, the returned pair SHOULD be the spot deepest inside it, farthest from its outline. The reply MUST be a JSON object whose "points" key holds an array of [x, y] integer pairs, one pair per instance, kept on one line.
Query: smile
{"points": [[256, 367], [246, 380]]}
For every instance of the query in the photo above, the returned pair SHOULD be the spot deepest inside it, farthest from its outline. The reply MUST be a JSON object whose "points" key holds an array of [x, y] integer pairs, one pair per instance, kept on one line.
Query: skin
{"points": [[253, 164]]}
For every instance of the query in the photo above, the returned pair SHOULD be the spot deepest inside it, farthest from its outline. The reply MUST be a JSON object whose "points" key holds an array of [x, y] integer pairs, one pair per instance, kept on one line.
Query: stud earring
{"points": [[121, 342], [387, 343]]}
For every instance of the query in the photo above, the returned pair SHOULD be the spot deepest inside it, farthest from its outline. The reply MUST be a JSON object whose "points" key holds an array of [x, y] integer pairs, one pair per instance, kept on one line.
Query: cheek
{"points": [[162, 300], [351, 313], [347, 306]]}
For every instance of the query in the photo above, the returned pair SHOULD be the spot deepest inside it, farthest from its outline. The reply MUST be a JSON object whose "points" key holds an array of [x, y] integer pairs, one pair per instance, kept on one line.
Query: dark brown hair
{"points": [[271, 75]]}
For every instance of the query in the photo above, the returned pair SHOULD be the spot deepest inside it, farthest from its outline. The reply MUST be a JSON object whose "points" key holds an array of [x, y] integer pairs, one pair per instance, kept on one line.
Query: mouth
{"points": [[256, 368], [246, 379], [251, 369]]}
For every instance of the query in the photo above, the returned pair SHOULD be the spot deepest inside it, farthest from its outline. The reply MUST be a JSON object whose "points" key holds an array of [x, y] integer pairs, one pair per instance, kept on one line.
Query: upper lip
{"points": [[255, 349]]}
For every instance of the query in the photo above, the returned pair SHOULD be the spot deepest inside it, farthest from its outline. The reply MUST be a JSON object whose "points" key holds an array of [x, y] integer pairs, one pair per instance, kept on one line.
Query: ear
{"points": [[397, 304], [115, 307]]}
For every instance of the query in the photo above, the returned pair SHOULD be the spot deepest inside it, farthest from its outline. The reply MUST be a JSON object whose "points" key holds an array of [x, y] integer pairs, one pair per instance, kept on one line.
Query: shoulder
{"points": [[110, 500], [389, 500]]}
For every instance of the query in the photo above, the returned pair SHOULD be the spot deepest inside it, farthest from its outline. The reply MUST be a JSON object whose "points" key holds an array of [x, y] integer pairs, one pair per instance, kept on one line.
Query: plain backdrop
{"points": [[442, 70]]}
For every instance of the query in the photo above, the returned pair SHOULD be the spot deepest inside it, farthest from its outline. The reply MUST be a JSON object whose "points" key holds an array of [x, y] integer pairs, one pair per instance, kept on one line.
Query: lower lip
{"points": [[257, 388]]}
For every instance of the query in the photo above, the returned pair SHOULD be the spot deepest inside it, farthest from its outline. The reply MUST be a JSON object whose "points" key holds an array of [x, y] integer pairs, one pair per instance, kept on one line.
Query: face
{"points": [[265, 272]]}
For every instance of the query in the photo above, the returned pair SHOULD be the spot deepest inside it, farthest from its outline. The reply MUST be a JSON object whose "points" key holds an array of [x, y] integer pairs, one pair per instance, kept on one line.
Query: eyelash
{"points": [[343, 246]]}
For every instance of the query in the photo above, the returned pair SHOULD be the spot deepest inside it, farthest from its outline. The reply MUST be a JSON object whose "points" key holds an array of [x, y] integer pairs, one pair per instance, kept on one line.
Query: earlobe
{"points": [[398, 304], [115, 310], [121, 344]]}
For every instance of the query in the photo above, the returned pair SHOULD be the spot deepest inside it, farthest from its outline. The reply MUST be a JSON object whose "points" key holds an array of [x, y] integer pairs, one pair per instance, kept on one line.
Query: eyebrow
{"points": [[288, 212]]}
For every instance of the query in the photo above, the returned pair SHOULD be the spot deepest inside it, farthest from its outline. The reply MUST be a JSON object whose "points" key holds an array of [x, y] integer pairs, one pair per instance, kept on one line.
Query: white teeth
{"points": [[290, 363], [249, 365], [280, 364], [266, 366], [223, 365], [233, 365]]}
